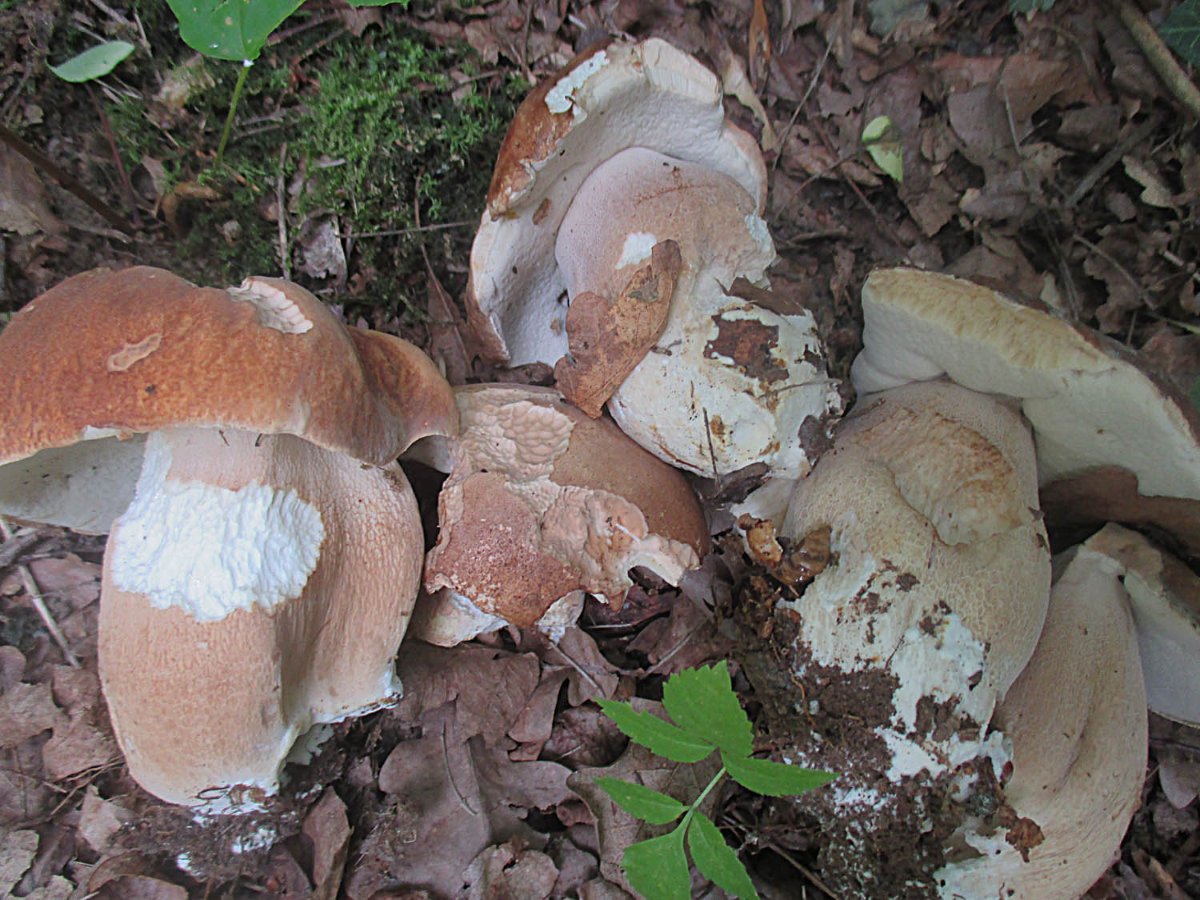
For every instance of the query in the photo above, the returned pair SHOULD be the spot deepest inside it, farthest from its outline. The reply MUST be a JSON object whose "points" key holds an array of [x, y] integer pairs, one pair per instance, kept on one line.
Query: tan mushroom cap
{"points": [[1164, 594], [941, 568], [206, 708], [1077, 720], [113, 354], [610, 98], [544, 502], [1093, 412]]}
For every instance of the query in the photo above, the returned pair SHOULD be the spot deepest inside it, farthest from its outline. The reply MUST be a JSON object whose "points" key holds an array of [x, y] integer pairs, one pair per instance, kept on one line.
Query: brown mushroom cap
{"points": [[1091, 409], [543, 502], [1077, 720], [116, 354]]}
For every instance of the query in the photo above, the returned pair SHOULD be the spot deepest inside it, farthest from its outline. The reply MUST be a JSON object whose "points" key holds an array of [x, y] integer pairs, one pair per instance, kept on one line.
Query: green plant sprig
{"points": [[707, 718]]}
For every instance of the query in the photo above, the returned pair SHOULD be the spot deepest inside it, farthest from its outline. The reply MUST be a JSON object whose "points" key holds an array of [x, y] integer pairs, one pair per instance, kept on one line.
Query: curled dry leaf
{"points": [[607, 339]]}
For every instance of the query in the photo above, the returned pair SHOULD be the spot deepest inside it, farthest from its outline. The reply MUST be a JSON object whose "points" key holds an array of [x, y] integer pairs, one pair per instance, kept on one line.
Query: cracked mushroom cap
{"points": [[940, 568], [1112, 443], [726, 382], [610, 98], [543, 503], [95, 363], [264, 549], [1077, 721]]}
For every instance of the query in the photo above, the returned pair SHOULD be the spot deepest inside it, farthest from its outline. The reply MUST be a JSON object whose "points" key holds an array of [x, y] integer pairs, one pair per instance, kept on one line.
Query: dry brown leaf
{"points": [[616, 828], [24, 205], [67, 578], [26, 710], [16, 854], [78, 747], [328, 828], [446, 329], [100, 820], [607, 339], [686, 638], [507, 870]]}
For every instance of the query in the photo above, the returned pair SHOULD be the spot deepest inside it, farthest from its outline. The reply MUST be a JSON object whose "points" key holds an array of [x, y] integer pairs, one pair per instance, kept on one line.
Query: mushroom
{"points": [[625, 151], [1165, 597], [542, 504], [262, 567], [1076, 718], [940, 568], [1112, 442]]}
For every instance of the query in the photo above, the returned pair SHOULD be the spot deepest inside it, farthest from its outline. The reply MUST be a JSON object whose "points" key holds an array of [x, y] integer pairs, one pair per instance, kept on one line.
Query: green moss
{"points": [[373, 126]]}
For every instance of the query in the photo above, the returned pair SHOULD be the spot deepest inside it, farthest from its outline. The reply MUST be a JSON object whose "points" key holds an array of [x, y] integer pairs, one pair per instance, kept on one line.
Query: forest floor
{"points": [[1040, 152]]}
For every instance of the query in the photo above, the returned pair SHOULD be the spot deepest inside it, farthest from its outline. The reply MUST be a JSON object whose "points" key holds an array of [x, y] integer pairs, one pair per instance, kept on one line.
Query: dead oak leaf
{"points": [[24, 205], [607, 339]]}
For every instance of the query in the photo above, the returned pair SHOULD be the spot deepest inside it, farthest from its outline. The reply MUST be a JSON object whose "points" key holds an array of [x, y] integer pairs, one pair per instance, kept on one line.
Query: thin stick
{"points": [[126, 184], [65, 179], [1159, 56], [35, 597], [285, 263]]}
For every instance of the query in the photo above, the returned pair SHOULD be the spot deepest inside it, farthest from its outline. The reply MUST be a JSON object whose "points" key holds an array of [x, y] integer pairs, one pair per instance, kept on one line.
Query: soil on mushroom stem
{"points": [[868, 837]]}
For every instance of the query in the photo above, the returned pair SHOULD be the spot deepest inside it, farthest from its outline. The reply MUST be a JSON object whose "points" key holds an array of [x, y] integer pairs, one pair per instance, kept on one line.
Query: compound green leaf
{"points": [[94, 63], [702, 701], [230, 29], [774, 779], [643, 802], [660, 736], [658, 868], [716, 860]]}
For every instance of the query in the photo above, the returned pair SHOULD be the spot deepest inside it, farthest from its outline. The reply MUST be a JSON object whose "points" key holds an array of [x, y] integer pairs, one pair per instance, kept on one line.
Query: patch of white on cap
{"points": [[559, 99], [274, 308], [210, 550], [637, 249]]}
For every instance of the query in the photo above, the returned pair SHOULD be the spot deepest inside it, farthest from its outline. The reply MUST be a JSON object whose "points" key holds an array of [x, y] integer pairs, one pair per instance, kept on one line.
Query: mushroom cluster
{"points": [[1001, 694], [622, 241], [265, 549]]}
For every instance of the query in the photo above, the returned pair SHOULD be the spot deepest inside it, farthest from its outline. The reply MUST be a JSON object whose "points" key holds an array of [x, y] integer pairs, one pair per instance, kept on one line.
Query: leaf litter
{"points": [[1041, 151]]}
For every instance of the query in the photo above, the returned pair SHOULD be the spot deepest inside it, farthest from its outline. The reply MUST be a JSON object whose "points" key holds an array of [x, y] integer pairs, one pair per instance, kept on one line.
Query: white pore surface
{"points": [[210, 550], [83, 486], [689, 401]]}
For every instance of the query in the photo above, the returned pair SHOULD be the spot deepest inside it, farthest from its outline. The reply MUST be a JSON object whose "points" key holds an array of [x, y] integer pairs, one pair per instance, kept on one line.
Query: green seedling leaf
{"points": [[702, 701], [640, 801], [881, 143], [1181, 31], [1194, 393], [716, 860], [658, 868], [230, 29], [94, 63], [660, 736], [774, 779]]}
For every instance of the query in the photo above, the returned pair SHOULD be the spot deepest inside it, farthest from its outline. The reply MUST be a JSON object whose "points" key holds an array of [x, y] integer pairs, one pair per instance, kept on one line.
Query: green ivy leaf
{"points": [[660, 736], [1181, 31], [879, 138], [702, 701], [774, 779], [94, 63], [1028, 6], [716, 860], [230, 29], [642, 802], [658, 868]]}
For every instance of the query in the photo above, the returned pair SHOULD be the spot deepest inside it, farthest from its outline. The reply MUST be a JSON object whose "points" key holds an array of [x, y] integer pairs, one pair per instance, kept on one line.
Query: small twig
{"points": [[65, 179], [812, 84], [1110, 159], [1159, 56], [285, 265], [35, 597], [587, 676], [450, 772], [16, 547], [397, 232]]}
